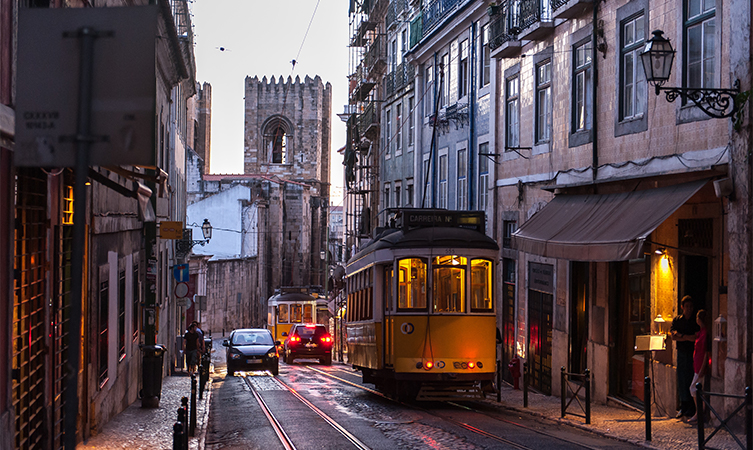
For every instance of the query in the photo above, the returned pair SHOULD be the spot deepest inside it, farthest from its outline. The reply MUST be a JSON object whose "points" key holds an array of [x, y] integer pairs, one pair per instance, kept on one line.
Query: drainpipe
{"points": [[595, 83], [471, 176]]}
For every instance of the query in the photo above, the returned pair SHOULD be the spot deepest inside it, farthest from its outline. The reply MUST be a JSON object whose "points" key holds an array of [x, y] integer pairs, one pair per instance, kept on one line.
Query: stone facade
{"points": [[274, 216]]}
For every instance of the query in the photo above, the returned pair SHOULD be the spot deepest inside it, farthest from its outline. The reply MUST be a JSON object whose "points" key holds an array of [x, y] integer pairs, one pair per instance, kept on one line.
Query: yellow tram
{"points": [[420, 307], [289, 306]]}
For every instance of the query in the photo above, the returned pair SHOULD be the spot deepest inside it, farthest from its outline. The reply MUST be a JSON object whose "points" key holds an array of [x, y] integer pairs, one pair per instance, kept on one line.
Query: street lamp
{"points": [[657, 57], [183, 246]]}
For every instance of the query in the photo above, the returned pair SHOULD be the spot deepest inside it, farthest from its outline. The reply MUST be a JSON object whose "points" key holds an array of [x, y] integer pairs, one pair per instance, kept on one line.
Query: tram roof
{"points": [[429, 237], [292, 297]]}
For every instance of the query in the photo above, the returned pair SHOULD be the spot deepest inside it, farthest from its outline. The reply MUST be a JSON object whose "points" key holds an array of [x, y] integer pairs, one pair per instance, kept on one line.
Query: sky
{"points": [[239, 38]]}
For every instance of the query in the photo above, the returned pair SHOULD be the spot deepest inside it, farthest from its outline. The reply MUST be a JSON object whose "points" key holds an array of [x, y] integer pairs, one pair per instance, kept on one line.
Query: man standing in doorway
{"points": [[684, 329]]}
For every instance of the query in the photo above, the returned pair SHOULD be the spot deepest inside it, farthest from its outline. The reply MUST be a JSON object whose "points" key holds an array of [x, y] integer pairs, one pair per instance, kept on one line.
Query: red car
{"points": [[308, 341]]}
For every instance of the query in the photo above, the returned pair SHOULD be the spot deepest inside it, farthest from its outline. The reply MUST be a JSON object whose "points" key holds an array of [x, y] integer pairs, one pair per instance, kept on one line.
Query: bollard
{"points": [[563, 388], [647, 405], [588, 396], [192, 424], [525, 385], [178, 436], [499, 381], [700, 415], [749, 417], [183, 420], [184, 403]]}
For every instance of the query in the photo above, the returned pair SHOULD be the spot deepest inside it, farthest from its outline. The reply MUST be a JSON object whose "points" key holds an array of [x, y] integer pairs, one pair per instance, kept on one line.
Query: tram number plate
{"points": [[253, 360], [311, 345]]}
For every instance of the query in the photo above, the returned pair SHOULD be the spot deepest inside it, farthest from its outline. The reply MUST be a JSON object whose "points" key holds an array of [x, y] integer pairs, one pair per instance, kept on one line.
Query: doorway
{"points": [[579, 294], [629, 313], [540, 307]]}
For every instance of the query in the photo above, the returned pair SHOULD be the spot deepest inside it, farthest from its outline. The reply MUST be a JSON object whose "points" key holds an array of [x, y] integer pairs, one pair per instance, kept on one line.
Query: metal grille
{"points": [[28, 308], [696, 233], [60, 315]]}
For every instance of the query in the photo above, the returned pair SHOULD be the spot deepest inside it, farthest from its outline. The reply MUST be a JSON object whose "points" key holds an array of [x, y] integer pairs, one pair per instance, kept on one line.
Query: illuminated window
{"points": [[295, 313], [282, 314], [68, 205], [449, 283], [481, 285], [412, 284], [308, 315]]}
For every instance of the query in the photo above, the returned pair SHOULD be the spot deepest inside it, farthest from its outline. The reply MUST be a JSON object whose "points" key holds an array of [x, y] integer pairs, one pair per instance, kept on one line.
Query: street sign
{"points": [[170, 230], [201, 302], [180, 272], [123, 86], [181, 290]]}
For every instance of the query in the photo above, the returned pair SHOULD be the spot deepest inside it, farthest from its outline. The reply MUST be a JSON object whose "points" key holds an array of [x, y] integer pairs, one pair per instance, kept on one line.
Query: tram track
{"points": [[463, 425], [279, 430]]}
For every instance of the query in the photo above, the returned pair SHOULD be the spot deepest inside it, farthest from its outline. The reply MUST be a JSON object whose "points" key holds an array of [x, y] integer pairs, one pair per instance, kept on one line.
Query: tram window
{"points": [[481, 285], [307, 314], [449, 283], [295, 313], [412, 284], [369, 303], [271, 315], [282, 314], [388, 274]]}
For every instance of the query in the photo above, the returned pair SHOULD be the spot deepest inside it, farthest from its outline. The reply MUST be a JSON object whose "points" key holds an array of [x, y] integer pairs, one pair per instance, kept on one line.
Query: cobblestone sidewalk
{"points": [[152, 428]]}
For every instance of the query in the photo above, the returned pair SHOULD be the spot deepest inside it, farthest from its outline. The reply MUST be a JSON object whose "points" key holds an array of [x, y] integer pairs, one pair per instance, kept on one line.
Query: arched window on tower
{"points": [[276, 143]]}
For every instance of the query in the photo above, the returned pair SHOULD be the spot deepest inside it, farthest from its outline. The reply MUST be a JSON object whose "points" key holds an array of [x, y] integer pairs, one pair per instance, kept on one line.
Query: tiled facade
{"points": [[567, 112]]}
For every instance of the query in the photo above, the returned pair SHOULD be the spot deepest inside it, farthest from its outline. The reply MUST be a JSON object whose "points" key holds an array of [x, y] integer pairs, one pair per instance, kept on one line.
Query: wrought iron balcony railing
{"points": [[503, 28], [532, 11], [377, 53], [368, 118]]}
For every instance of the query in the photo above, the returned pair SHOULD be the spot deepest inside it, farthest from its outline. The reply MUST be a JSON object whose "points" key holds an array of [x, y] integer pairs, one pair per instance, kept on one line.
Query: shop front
{"points": [[632, 257]]}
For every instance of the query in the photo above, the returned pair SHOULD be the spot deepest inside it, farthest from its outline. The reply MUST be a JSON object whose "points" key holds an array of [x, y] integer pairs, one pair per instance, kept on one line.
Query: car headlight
{"points": [[235, 356], [272, 354]]}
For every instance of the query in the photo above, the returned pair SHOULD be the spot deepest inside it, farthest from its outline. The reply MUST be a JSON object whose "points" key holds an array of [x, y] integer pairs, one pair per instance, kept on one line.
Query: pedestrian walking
{"points": [[192, 342]]}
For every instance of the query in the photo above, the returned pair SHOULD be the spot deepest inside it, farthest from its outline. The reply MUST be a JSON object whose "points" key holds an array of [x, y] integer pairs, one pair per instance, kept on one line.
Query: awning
{"points": [[610, 227]]}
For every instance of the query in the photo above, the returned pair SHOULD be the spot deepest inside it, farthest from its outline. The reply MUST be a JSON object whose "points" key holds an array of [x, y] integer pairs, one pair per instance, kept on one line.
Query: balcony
{"points": [[437, 10], [535, 18], [362, 31], [567, 9], [394, 10], [503, 29], [360, 86], [375, 58], [401, 77], [368, 121]]}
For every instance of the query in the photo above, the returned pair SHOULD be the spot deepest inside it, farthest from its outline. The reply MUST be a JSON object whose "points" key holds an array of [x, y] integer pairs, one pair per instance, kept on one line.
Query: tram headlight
{"points": [[480, 365], [471, 365], [428, 365]]}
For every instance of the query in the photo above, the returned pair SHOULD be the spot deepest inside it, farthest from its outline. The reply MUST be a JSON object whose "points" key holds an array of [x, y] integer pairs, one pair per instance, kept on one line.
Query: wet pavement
{"points": [[142, 428]]}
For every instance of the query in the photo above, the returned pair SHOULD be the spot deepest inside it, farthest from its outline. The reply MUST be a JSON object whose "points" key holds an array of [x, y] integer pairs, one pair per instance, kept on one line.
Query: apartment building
{"points": [[612, 202]]}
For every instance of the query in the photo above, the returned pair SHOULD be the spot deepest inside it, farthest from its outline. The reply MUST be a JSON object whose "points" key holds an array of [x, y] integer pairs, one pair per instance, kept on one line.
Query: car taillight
{"points": [[294, 339], [311, 326], [327, 339]]}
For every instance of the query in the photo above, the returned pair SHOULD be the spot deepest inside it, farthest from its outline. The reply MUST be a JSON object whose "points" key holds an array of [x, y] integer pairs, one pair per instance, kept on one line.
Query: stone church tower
{"points": [[287, 144]]}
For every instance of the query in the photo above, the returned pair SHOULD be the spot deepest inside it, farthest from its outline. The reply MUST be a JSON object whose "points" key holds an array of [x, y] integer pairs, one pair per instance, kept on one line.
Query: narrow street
{"points": [[355, 416]]}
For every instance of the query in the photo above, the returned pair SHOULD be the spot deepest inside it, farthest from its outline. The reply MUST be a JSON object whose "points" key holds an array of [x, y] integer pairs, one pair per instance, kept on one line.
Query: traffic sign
{"points": [[180, 272], [181, 290]]}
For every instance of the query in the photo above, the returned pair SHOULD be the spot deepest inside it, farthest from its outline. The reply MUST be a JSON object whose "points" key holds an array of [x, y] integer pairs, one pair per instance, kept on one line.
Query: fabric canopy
{"points": [[610, 227]]}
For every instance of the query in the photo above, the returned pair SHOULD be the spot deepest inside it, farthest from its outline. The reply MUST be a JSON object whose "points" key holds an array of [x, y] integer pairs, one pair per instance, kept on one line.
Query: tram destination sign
{"points": [[473, 220]]}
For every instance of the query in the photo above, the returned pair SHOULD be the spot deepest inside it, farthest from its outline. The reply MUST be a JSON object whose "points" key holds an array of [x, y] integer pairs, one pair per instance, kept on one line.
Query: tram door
{"points": [[540, 306]]}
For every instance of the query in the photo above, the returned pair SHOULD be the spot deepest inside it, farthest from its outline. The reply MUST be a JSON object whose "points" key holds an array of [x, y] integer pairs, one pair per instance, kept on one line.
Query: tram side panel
{"points": [[363, 344]]}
